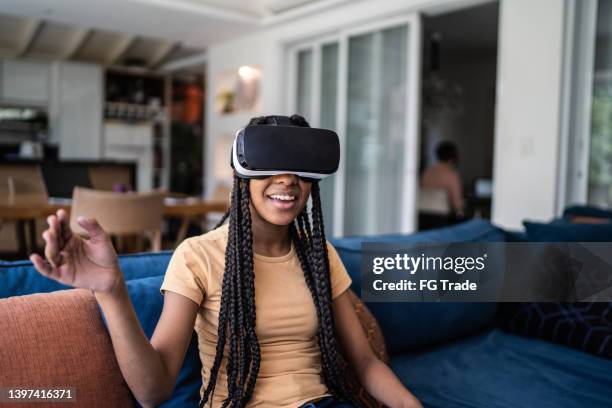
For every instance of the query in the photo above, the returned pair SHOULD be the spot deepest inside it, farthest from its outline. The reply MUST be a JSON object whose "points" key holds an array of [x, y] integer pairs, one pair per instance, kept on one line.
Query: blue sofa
{"points": [[448, 354]]}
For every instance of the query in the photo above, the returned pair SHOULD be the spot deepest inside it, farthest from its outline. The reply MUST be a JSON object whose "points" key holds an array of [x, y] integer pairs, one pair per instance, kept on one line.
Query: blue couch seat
{"points": [[501, 370]]}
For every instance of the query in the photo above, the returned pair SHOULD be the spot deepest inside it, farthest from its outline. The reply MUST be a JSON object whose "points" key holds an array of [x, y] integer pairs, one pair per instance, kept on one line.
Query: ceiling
{"points": [[152, 34]]}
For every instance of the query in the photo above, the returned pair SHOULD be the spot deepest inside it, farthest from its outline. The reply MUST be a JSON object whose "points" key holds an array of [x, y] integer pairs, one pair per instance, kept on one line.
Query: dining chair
{"points": [[121, 214], [109, 177], [22, 183], [22, 190]]}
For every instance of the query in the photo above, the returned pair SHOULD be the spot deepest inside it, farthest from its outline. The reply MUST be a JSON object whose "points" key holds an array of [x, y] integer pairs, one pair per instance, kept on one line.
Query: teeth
{"points": [[282, 197]]}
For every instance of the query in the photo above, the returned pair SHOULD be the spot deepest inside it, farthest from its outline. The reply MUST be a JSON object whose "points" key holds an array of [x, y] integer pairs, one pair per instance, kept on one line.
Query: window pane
{"points": [[375, 131], [329, 96], [600, 163], [304, 83]]}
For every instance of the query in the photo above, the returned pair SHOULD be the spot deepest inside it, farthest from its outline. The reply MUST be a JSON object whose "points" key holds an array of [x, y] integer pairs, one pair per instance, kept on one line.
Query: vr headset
{"points": [[262, 151]]}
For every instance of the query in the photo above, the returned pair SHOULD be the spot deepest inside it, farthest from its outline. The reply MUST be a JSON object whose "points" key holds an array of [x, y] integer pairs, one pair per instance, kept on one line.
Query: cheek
{"points": [[257, 200], [256, 188]]}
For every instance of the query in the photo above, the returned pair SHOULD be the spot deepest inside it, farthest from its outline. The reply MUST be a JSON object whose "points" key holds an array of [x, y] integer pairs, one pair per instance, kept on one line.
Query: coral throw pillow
{"points": [[57, 340]]}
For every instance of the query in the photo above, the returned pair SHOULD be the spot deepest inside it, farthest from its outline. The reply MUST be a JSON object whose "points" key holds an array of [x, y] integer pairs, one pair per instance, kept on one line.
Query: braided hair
{"points": [[237, 310]]}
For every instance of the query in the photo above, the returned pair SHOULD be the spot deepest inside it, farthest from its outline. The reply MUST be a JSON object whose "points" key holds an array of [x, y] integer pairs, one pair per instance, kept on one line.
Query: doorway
{"points": [[459, 74]]}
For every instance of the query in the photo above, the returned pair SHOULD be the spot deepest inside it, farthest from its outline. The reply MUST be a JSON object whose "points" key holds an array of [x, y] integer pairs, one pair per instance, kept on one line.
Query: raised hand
{"points": [[83, 263]]}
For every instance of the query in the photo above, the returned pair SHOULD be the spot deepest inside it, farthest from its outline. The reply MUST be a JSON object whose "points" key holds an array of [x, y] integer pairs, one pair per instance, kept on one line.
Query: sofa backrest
{"points": [[20, 278], [57, 340], [410, 326]]}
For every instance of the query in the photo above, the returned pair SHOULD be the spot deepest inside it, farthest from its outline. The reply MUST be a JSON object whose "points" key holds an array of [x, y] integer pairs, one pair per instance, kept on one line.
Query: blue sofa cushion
{"points": [[20, 277], [500, 370], [148, 304], [408, 326], [587, 211], [564, 232]]}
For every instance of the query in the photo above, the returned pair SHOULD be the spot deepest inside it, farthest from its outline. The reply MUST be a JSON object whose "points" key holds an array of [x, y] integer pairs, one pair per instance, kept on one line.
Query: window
{"points": [[600, 156]]}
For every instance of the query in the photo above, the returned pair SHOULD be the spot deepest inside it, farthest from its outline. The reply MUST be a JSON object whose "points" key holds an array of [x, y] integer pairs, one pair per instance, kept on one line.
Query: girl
{"points": [[266, 294]]}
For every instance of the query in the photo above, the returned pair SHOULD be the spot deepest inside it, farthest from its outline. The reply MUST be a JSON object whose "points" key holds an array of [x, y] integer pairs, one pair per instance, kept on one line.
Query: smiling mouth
{"points": [[282, 201]]}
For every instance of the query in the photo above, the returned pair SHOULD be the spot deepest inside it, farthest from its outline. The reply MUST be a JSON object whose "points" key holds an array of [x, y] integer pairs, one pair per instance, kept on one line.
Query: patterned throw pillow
{"points": [[584, 326], [377, 342]]}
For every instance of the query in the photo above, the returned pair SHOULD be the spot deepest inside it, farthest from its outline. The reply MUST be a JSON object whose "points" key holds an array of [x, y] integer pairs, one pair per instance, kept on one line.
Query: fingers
{"points": [[64, 224], [44, 267], [52, 248], [56, 236], [55, 228], [93, 229]]}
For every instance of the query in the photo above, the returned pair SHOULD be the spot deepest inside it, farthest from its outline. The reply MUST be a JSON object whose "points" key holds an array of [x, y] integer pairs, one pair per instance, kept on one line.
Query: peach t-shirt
{"points": [[286, 320]]}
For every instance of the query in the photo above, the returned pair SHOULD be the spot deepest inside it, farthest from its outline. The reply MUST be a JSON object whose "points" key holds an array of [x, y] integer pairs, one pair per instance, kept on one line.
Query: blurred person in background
{"points": [[443, 175]]}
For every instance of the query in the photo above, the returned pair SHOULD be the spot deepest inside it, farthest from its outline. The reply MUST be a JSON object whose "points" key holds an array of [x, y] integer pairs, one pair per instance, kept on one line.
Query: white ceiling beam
{"points": [[301, 9], [183, 63], [28, 34], [161, 53], [280, 6], [119, 49], [205, 10], [74, 44]]}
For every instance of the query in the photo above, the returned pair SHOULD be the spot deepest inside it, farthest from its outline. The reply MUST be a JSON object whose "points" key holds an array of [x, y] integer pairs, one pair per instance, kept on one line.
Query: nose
{"points": [[285, 178]]}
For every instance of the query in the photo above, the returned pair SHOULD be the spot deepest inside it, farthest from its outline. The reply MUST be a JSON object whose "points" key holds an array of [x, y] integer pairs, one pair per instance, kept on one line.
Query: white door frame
{"points": [[577, 98]]}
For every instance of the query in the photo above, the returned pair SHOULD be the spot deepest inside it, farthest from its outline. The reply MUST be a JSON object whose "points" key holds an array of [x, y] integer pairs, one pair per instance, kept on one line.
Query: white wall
{"points": [[526, 151]]}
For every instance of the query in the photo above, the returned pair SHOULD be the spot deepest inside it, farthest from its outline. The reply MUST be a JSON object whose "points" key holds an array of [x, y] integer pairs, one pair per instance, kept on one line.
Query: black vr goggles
{"points": [[261, 151]]}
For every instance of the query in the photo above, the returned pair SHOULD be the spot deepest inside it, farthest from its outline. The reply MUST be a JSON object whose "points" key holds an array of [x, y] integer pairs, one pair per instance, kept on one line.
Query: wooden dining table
{"points": [[26, 209]]}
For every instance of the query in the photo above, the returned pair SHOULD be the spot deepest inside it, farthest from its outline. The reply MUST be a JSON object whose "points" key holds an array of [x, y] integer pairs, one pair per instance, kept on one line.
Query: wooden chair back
{"points": [[105, 177], [22, 184], [120, 213]]}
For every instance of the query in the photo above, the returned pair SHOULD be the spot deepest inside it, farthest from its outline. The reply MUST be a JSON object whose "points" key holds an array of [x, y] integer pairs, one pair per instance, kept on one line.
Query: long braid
{"points": [[223, 309], [311, 247], [254, 357], [234, 327], [322, 278]]}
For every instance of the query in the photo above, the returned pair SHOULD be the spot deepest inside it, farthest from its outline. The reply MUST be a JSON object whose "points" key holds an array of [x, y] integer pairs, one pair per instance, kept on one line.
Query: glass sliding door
{"points": [[304, 83], [328, 120], [363, 83], [376, 128], [316, 97], [600, 161]]}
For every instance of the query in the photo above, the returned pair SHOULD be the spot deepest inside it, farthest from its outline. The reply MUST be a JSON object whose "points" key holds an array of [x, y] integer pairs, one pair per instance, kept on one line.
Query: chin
{"points": [[281, 220]]}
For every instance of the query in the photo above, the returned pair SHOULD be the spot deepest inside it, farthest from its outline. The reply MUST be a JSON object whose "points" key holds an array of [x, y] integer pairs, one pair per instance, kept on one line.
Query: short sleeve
{"points": [[339, 277], [186, 273]]}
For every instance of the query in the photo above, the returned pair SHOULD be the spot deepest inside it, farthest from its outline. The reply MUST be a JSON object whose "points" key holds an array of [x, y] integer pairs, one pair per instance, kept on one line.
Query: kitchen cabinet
{"points": [[24, 82], [132, 142], [77, 110]]}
